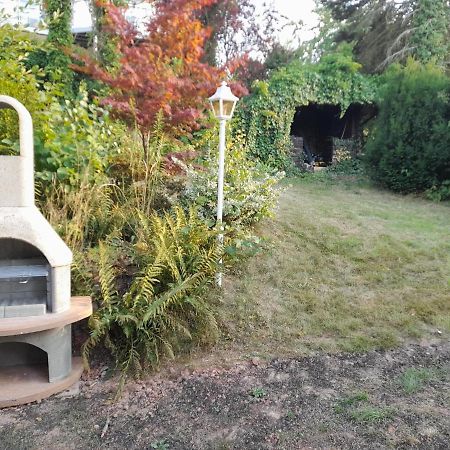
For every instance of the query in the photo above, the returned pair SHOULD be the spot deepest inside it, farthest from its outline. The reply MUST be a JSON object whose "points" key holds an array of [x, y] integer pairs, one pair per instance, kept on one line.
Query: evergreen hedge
{"points": [[409, 149]]}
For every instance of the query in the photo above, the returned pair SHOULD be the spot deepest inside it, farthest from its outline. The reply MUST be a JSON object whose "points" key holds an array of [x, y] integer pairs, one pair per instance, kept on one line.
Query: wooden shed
{"points": [[316, 126]]}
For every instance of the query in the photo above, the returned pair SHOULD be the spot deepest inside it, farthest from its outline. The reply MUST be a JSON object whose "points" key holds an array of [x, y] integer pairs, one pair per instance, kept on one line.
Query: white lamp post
{"points": [[223, 103]]}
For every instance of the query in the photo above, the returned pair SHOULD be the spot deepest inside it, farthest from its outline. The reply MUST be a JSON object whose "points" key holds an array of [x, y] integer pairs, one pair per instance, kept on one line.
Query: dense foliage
{"points": [[144, 240], [409, 150], [233, 29], [26, 84], [162, 72], [162, 307], [431, 31], [241, 37], [74, 138], [387, 31], [249, 186], [267, 114], [76, 142], [161, 264]]}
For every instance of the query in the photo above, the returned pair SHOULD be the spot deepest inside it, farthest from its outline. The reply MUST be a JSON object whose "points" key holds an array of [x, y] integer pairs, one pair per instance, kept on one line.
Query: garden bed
{"points": [[361, 271], [397, 399]]}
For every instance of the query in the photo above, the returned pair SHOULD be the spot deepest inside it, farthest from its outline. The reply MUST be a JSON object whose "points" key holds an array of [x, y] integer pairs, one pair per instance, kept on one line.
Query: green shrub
{"points": [[104, 203], [147, 314], [75, 142], [249, 189], [351, 166], [74, 139], [24, 81], [409, 150], [439, 193], [24, 85]]}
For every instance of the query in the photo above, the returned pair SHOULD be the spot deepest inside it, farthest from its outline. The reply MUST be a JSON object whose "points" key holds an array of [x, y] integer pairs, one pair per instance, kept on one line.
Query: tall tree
{"points": [[236, 30], [162, 72], [376, 27], [311, 51], [102, 45], [386, 31], [430, 31]]}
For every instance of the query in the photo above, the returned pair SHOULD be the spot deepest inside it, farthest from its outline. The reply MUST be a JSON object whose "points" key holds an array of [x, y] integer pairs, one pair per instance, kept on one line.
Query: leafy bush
{"points": [[24, 81], [249, 187], [144, 315], [107, 203], [439, 194], [73, 138], [76, 140], [149, 273], [409, 150], [24, 85], [344, 160], [350, 168]]}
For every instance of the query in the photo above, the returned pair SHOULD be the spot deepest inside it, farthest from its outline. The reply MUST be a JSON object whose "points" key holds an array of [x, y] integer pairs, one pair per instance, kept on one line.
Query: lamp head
{"points": [[223, 102]]}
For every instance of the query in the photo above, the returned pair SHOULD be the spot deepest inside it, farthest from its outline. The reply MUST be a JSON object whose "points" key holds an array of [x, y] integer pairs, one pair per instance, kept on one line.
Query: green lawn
{"points": [[344, 267]]}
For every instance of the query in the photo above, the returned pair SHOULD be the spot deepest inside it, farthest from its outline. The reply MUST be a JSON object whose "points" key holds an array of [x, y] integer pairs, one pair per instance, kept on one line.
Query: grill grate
{"points": [[12, 273]]}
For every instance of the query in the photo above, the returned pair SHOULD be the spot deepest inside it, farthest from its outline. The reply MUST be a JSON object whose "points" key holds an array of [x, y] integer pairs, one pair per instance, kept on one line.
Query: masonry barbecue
{"points": [[36, 308]]}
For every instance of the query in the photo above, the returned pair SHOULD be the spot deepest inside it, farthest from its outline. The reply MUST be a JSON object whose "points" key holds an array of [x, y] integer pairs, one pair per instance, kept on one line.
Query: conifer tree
{"points": [[430, 31], [387, 31]]}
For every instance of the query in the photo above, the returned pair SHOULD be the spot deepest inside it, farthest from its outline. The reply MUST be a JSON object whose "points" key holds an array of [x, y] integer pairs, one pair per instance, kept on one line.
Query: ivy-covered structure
{"points": [[314, 101]]}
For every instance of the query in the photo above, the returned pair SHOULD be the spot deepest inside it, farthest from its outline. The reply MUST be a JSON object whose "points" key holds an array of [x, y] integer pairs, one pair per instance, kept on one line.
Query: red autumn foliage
{"points": [[161, 71], [175, 163]]}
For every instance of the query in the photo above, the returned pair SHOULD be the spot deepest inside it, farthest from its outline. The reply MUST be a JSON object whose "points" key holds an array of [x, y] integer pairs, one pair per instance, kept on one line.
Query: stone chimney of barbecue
{"points": [[21, 220]]}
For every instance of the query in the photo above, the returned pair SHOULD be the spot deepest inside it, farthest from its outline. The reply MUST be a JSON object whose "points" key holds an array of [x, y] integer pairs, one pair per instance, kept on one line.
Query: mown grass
{"points": [[345, 267]]}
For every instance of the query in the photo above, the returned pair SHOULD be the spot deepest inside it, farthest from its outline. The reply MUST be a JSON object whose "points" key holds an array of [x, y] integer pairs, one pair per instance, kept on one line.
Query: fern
{"points": [[162, 307], [107, 276]]}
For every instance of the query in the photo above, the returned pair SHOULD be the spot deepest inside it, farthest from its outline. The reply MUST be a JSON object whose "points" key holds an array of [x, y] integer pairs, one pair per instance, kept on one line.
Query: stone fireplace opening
{"points": [[23, 354], [24, 280]]}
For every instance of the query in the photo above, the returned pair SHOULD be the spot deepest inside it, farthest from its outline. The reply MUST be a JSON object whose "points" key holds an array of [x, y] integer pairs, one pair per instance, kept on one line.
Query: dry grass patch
{"points": [[345, 267]]}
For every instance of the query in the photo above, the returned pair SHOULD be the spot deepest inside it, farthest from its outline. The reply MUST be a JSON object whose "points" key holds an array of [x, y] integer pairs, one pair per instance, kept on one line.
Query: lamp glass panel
{"points": [[228, 107], [215, 104]]}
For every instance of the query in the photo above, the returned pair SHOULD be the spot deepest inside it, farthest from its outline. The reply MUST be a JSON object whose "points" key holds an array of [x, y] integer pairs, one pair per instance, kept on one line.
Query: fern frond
{"points": [[107, 277], [168, 298]]}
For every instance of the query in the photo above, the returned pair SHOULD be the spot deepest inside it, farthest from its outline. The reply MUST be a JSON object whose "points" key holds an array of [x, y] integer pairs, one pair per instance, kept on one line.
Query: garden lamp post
{"points": [[223, 103]]}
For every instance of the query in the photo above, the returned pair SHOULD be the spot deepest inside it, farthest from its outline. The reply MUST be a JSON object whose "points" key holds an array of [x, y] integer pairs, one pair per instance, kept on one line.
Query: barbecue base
{"points": [[25, 384], [37, 360]]}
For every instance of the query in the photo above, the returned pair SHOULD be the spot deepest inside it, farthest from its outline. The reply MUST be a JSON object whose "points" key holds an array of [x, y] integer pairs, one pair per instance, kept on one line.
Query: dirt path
{"points": [[393, 399]]}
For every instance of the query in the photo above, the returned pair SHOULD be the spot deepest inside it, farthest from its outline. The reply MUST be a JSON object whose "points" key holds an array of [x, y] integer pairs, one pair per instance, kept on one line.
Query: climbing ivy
{"points": [[54, 60], [266, 115]]}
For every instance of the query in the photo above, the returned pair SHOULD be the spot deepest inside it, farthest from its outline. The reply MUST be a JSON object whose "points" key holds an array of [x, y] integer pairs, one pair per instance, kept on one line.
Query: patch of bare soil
{"points": [[390, 399]]}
